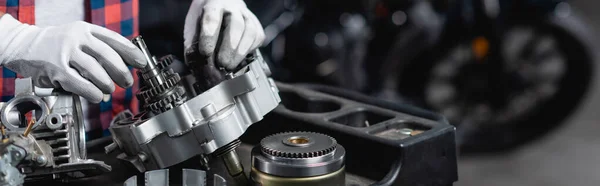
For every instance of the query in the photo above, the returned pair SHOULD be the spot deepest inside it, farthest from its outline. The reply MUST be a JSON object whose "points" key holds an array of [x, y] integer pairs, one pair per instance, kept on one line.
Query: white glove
{"points": [[79, 57], [242, 31]]}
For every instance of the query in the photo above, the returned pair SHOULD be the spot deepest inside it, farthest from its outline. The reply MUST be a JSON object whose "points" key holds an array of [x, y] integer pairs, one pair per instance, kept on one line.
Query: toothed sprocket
{"points": [[298, 145]]}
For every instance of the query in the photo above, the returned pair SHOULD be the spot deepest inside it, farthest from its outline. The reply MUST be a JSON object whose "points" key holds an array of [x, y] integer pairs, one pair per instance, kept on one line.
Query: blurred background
{"points": [[516, 77]]}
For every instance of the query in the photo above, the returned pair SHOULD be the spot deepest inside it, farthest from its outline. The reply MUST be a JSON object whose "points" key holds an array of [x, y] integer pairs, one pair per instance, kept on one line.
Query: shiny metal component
{"points": [[41, 160], [157, 178], [234, 167], [204, 162], [161, 91], [56, 144], [337, 178], [286, 145], [14, 110], [10, 156], [191, 177], [298, 158], [151, 73], [199, 125], [54, 121], [131, 181]]}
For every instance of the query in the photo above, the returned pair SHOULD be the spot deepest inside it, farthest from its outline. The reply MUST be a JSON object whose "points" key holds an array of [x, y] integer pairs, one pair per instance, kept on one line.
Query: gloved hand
{"points": [[242, 31], [79, 57]]}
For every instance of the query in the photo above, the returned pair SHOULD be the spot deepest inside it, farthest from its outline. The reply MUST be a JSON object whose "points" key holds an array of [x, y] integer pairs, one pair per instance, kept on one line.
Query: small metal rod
{"points": [[139, 42], [151, 72], [2, 130], [29, 127], [234, 167], [204, 164]]}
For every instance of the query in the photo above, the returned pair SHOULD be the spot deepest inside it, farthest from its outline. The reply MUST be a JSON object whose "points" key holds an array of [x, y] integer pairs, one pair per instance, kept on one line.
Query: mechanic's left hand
{"points": [[242, 31]]}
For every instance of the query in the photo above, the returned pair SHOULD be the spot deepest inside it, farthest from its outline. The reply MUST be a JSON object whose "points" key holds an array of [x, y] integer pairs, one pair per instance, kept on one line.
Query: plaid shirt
{"points": [[118, 15]]}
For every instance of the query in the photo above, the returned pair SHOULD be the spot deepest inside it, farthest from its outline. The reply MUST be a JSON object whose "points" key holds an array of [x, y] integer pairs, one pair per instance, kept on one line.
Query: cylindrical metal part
{"points": [[232, 162], [204, 162], [337, 178], [160, 90], [298, 158], [139, 42], [150, 73], [235, 168]]}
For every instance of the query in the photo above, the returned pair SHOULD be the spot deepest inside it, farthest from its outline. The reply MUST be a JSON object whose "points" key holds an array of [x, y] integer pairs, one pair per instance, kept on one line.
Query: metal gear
{"points": [[177, 95], [292, 156], [286, 145], [165, 61], [172, 80]]}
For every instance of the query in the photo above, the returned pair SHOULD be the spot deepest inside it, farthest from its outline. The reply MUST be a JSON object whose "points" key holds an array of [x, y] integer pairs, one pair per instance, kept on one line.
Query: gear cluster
{"points": [[172, 79], [298, 145], [162, 97]]}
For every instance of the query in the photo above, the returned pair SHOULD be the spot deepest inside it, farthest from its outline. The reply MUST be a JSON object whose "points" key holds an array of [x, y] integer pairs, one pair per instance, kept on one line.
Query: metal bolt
{"points": [[41, 160], [17, 154], [405, 131], [204, 162]]}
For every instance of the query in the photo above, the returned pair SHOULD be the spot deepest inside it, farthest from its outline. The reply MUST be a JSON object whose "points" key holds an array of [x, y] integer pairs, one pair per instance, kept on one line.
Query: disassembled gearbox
{"points": [[177, 125]]}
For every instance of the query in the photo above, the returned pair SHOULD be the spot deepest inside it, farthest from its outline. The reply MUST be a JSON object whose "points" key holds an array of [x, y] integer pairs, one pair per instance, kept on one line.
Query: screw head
{"points": [[41, 160]]}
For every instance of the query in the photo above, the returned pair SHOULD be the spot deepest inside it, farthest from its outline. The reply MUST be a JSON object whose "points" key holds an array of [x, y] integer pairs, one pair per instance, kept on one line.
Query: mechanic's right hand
{"points": [[79, 57]]}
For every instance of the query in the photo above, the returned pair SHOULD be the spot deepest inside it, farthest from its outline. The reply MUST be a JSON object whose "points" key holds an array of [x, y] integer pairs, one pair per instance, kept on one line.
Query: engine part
{"points": [[411, 146], [367, 126], [10, 156], [161, 90], [298, 158], [48, 143], [209, 122], [190, 177]]}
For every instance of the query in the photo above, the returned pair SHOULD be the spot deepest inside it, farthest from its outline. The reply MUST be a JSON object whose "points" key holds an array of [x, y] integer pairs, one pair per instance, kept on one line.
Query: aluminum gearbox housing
{"points": [[198, 125]]}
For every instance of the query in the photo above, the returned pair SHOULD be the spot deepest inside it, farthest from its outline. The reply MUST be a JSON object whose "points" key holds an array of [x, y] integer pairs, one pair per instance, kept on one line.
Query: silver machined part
{"points": [[54, 121], [162, 91], [157, 177], [13, 111], [165, 62], [190, 177], [56, 146], [173, 99], [170, 82], [151, 73], [298, 154], [9, 174], [201, 124], [285, 145], [41, 160], [218, 181]]}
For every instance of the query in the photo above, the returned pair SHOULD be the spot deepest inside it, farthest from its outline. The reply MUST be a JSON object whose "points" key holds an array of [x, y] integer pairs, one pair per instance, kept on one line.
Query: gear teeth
{"points": [[165, 103], [172, 80], [165, 61], [313, 154]]}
